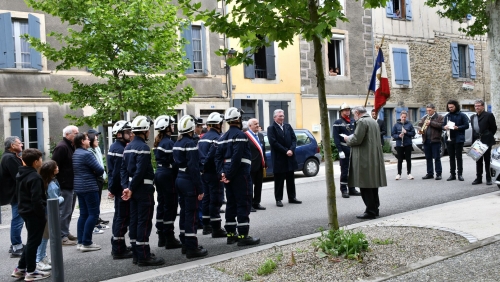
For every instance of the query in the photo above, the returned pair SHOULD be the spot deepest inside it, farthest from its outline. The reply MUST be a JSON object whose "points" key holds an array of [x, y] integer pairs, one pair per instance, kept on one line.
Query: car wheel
{"points": [[311, 167]]}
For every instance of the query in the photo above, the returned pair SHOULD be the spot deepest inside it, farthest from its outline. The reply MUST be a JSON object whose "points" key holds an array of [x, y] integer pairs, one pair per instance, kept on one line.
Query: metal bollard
{"points": [[56, 253]]}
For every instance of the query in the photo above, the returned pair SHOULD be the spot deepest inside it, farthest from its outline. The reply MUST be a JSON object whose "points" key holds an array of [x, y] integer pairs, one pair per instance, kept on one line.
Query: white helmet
{"points": [[119, 126], [163, 122], [232, 114], [186, 124], [215, 118], [344, 106], [141, 123]]}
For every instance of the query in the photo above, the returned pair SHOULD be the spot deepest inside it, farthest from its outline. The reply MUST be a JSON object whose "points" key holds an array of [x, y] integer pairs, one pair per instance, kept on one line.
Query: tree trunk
{"points": [[493, 44], [325, 127]]}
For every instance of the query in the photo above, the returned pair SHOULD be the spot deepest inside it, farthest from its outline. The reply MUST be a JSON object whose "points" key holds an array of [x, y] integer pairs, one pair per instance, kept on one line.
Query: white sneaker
{"points": [[410, 177], [102, 226], [79, 246], [398, 176], [89, 248], [43, 266], [97, 231], [36, 275], [46, 260]]}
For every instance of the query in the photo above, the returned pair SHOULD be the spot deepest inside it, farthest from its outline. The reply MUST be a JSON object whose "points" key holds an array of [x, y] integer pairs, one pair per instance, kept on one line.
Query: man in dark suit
{"points": [[381, 125], [484, 127], [283, 142], [258, 161]]}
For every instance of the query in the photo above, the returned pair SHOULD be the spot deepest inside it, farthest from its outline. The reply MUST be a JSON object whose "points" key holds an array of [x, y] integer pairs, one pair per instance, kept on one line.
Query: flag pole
{"points": [[380, 47]]}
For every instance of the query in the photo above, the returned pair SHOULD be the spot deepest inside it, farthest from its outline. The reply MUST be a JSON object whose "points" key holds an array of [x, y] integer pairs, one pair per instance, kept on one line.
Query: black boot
{"points": [[232, 238], [196, 253], [219, 233], [161, 238], [151, 261], [207, 229], [172, 243], [247, 240], [125, 255]]}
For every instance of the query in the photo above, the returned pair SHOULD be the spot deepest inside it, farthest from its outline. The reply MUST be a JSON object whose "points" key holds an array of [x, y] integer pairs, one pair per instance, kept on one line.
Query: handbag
{"points": [[477, 150]]}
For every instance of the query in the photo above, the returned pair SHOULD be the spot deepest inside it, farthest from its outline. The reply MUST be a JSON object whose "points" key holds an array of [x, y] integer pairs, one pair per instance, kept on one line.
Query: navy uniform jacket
{"points": [[187, 159], [206, 148], [164, 153], [342, 126], [137, 169], [196, 138], [233, 154], [114, 161]]}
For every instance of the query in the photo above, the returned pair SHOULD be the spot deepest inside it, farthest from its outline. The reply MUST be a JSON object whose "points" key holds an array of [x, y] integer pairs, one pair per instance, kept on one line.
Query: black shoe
{"points": [[17, 253], [219, 233], [460, 178], [232, 238], [103, 222], [151, 261], [452, 177], [428, 176], [207, 229], [354, 193], [477, 181], [222, 211], [366, 216], [247, 240], [252, 209], [172, 243], [259, 207], [161, 239], [438, 177], [345, 195], [183, 250], [125, 255], [488, 182], [196, 253], [134, 260], [294, 201], [279, 204], [10, 249]]}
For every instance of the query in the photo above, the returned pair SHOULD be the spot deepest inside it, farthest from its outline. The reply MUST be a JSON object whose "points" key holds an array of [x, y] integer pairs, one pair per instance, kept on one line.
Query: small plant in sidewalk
{"points": [[341, 243], [267, 268], [247, 277], [382, 242]]}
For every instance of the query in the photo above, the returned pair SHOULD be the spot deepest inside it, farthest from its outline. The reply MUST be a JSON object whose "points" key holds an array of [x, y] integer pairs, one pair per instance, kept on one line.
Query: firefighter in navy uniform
{"points": [[188, 185], [140, 192], [213, 189], [232, 159], [344, 125], [165, 175], [196, 138], [121, 218]]}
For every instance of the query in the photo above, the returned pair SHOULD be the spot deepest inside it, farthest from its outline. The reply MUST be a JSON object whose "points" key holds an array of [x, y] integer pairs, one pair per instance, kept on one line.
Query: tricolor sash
{"points": [[257, 144]]}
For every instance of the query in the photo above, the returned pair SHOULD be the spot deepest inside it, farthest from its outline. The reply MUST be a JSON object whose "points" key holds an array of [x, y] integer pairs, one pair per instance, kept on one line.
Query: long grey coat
{"points": [[366, 166]]}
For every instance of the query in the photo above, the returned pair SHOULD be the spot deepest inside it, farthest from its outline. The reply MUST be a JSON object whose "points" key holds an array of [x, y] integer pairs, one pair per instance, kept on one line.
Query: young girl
{"points": [[48, 173]]}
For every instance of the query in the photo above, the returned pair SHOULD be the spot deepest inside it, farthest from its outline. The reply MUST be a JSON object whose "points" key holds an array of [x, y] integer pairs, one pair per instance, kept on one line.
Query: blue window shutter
{"points": [[6, 42], [34, 30], [398, 112], [389, 11], [408, 10], [237, 103], [405, 67], [249, 70], [204, 49], [472, 62], [454, 60], [15, 124], [39, 131], [271, 62], [260, 106], [423, 112], [398, 65], [188, 48]]}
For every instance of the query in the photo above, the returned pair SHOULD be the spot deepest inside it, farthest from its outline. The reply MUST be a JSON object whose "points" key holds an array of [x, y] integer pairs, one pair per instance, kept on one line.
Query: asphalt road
{"points": [[273, 224]]}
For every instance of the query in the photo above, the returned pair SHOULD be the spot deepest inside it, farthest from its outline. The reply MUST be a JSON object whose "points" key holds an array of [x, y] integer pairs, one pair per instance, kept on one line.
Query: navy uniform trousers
{"points": [[344, 170], [188, 201], [239, 194], [213, 191], [167, 198], [141, 215], [121, 221]]}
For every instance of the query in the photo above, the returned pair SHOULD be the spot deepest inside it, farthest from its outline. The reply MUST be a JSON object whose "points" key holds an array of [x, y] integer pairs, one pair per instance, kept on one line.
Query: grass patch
{"points": [[267, 268], [247, 277], [377, 241], [221, 269], [344, 243]]}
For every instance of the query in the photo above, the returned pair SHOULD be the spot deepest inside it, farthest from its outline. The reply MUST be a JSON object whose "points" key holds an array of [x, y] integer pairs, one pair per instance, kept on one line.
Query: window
{"points": [[195, 48], [29, 131], [264, 65], [388, 120], [399, 9], [400, 66], [336, 55], [302, 139], [463, 63], [29, 127], [248, 107], [15, 52]]}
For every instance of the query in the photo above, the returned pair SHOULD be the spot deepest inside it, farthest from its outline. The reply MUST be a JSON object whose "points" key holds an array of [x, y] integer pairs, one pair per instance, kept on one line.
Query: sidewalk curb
{"points": [[429, 261]]}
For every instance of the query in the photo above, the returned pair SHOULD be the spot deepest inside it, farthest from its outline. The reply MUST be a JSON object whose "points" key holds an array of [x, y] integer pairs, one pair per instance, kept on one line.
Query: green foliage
{"points": [[131, 46], [335, 151], [247, 277], [387, 241], [458, 9], [153, 160], [387, 146], [341, 242], [267, 268]]}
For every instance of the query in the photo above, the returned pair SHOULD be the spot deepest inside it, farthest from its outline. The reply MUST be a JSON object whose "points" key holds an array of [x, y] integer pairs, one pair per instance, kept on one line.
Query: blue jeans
{"points": [[16, 226], [432, 151], [89, 213]]}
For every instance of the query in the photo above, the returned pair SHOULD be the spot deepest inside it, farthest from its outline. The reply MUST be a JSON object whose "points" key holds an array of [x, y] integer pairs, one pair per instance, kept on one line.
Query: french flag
{"points": [[379, 83]]}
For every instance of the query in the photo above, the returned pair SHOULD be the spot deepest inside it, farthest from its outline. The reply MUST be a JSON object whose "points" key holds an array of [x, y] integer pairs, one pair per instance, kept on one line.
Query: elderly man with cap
{"points": [[344, 126]]}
